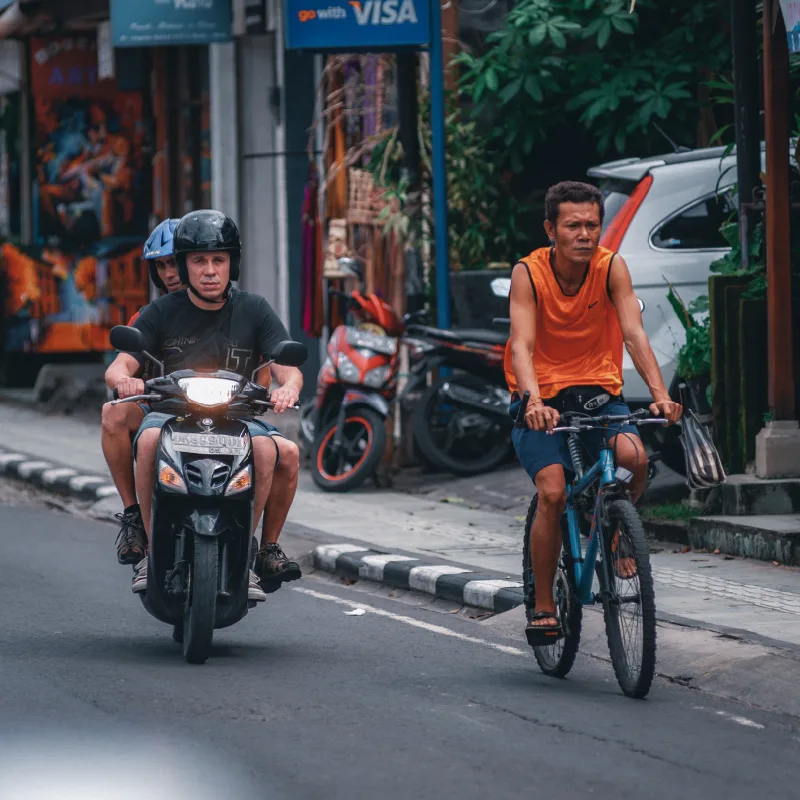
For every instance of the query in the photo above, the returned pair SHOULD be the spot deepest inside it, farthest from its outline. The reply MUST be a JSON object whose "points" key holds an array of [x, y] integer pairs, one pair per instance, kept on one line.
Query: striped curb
{"points": [[446, 581], [55, 477]]}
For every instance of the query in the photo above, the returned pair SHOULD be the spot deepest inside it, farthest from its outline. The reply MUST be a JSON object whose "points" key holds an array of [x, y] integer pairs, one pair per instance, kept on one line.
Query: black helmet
{"points": [[206, 231]]}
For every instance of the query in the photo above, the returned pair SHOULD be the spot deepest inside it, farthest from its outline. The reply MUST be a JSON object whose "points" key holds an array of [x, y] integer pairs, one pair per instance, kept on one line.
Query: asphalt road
{"points": [[303, 701]]}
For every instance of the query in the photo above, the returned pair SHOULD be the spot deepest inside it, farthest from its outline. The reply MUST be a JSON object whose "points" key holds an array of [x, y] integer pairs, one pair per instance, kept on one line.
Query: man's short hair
{"points": [[571, 192]]}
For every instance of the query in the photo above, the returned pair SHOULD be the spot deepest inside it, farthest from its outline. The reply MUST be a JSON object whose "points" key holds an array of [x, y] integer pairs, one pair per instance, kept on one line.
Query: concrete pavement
{"points": [[304, 700]]}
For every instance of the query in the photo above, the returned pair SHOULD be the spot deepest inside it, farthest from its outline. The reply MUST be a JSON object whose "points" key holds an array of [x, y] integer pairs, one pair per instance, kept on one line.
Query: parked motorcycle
{"points": [[344, 427], [461, 423], [201, 544]]}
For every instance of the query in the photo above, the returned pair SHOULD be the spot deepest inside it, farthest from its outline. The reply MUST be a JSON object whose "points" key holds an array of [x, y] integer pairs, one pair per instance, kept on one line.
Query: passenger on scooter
{"points": [[215, 326], [121, 422]]}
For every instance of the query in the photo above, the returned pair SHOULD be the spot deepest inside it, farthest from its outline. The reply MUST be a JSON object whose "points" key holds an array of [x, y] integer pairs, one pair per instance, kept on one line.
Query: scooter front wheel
{"points": [[358, 455], [201, 600]]}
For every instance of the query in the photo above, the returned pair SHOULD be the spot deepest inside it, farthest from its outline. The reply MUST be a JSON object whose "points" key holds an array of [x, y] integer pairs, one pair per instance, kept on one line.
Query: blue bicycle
{"points": [[616, 551]]}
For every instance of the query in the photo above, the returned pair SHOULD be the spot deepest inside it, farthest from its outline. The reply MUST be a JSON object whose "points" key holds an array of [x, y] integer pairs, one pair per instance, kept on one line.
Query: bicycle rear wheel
{"points": [[629, 605], [555, 660]]}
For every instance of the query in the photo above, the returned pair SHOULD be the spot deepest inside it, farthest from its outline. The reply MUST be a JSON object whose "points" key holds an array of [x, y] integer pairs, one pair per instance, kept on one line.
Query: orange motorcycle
{"points": [[344, 427]]}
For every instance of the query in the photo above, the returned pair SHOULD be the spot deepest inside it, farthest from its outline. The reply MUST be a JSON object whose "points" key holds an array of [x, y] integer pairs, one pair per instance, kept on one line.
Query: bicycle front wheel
{"points": [[629, 605]]}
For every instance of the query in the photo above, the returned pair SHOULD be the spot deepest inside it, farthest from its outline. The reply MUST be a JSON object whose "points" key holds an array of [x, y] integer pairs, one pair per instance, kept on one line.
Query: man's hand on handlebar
{"points": [[541, 417], [668, 409], [284, 398], [129, 387]]}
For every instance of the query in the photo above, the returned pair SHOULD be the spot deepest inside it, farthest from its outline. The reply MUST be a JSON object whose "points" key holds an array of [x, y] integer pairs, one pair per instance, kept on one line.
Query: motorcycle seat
{"points": [[462, 336]]}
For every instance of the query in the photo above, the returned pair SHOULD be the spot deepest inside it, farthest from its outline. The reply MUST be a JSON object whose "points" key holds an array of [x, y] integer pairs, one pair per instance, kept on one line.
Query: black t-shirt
{"points": [[233, 338]]}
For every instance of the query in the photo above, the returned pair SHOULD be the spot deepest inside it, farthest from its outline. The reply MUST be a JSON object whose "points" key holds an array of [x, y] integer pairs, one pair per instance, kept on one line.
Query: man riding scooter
{"points": [[121, 422]]}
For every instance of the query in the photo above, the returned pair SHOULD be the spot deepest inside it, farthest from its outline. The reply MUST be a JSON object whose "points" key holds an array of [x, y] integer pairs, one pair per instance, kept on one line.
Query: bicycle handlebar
{"points": [[579, 422]]}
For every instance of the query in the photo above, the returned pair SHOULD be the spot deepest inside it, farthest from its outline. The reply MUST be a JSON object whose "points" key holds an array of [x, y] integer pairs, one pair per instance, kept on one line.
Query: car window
{"points": [[698, 227], [615, 195]]}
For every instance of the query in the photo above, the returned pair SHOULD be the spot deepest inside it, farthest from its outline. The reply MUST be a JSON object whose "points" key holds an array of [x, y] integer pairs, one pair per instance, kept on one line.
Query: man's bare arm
{"points": [[523, 341], [523, 331], [122, 367], [290, 380]]}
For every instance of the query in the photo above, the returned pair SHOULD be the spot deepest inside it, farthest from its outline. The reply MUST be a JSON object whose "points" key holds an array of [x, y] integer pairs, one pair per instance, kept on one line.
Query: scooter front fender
{"points": [[373, 400]]}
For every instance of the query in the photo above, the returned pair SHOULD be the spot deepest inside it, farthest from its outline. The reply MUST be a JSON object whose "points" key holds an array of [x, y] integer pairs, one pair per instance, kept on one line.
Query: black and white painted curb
{"points": [[447, 581], [55, 477]]}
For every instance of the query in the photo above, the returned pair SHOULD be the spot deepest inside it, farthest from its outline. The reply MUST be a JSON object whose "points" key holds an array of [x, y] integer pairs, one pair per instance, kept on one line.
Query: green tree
{"points": [[592, 63]]}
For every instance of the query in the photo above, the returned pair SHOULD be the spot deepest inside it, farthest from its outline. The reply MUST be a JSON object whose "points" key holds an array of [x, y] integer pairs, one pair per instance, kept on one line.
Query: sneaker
{"points": [[272, 564], [254, 590], [140, 577], [132, 541]]}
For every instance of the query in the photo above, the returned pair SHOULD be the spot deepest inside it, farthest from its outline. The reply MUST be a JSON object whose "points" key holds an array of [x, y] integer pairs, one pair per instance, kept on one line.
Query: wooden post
{"points": [[450, 43], [779, 276]]}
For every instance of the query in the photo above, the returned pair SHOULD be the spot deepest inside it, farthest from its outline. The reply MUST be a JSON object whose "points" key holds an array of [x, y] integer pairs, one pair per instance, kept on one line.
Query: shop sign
{"points": [[152, 23], [376, 25], [791, 17], [67, 65]]}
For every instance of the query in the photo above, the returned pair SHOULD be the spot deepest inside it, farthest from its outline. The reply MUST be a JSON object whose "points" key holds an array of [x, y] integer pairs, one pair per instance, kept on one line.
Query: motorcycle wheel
{"points": [[428, 437], [363, 445], [201, 600]]}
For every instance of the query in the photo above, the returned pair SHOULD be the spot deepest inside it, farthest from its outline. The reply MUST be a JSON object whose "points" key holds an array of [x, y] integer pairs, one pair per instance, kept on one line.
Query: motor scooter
{"points": [[201, 542]]}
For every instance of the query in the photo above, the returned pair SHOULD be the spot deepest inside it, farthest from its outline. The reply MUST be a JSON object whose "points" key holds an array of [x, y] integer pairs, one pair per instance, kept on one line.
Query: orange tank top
{"points": [[578, 338]]}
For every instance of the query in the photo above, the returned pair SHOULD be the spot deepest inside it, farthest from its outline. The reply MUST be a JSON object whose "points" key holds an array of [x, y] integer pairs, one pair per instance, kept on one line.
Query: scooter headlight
{"points": [[169, 478], [208, 392], [348, 371], [376, 378]]}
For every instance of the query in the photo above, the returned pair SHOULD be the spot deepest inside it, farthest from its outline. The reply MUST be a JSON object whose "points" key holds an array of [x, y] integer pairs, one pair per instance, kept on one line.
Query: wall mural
{"points": [[58, 302], [90, 207]]}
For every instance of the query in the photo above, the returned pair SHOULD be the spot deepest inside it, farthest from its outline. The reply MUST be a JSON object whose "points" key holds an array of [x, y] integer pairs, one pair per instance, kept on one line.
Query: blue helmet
{"points": [[159, 245]]}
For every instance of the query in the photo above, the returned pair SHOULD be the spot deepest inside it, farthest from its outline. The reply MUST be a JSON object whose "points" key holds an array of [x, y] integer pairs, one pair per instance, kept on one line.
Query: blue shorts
{"points": [[538, 449], [157, 419]]}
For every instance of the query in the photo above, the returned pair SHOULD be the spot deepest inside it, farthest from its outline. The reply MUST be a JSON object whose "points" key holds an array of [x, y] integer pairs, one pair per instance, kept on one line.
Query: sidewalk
{"points": [[755, 599]]}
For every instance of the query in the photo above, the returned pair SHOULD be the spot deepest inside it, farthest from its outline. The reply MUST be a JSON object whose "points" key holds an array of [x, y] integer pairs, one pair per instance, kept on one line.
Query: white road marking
{"points": [[371, 568], [327, 554], [481, 593], [748, 723], [414, 623]]}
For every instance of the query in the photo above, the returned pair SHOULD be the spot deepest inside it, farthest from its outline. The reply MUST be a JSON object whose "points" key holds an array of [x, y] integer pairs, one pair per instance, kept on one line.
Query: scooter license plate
{"points": [[212, 444]]}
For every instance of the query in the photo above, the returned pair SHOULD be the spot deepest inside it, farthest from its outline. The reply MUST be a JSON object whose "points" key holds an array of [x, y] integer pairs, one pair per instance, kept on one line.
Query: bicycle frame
{"points": [[602, 471]]}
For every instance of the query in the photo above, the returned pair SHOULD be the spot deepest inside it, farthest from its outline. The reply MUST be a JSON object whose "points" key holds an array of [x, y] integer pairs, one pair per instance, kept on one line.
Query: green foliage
{"points": [[486, 221], [592, 63]]}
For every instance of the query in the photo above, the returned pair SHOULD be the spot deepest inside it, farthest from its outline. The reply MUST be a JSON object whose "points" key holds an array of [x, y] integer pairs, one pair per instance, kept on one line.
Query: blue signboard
{"points": [[376, 25], [151, 23]]}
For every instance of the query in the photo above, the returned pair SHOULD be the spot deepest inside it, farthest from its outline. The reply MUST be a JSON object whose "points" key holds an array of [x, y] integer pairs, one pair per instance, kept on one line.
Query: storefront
{"points": [[111, 142]]}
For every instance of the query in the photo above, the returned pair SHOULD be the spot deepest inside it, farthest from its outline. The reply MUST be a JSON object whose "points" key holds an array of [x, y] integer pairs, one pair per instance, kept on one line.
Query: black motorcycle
{"points": [[461, 423], [201, 543]]}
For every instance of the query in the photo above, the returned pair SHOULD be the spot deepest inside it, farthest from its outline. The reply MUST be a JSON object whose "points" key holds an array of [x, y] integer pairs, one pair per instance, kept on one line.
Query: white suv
{"points": [[663, 215]]}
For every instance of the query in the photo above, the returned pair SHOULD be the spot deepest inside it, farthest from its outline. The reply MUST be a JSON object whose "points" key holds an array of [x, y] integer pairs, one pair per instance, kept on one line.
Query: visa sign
{"points": [[360, 25], [384, 12]]}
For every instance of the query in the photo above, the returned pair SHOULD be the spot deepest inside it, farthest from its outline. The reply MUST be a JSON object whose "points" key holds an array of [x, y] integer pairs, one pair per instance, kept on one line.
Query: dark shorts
{"points": [[157, 419], [537, 449]]}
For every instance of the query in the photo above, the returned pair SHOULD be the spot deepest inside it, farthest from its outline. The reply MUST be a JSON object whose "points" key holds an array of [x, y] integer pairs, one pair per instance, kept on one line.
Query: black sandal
{"points": [[543, 635]]}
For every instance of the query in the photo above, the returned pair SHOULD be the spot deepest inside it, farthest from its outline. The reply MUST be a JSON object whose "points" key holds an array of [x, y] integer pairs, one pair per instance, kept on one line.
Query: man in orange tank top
{"points": [[572, 308]]}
